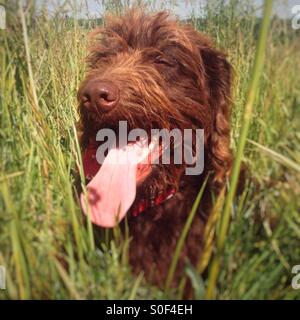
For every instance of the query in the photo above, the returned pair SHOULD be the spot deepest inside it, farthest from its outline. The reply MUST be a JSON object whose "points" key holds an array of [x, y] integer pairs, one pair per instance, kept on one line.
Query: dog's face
{"points": [[157, 69], [154, 73]]}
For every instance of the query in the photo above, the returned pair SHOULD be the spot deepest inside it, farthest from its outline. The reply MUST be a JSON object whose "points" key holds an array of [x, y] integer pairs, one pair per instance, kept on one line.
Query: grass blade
{"points": [[252, 92], [277, 156], [183, 235]]}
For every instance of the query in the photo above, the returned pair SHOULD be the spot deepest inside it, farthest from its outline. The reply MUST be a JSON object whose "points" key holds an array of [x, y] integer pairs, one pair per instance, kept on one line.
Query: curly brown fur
{"points": [[169, 76]]}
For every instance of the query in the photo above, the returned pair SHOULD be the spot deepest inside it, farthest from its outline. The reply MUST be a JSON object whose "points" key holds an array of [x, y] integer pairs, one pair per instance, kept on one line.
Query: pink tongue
{"points": [[112, 191]]}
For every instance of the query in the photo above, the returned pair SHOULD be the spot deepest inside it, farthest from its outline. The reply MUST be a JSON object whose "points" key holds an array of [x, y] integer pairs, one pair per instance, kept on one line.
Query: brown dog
{"points": [[152, 72]]}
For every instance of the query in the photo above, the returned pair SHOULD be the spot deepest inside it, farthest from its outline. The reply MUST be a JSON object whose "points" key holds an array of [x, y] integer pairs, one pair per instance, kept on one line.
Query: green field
{"points": [[41, 67]]}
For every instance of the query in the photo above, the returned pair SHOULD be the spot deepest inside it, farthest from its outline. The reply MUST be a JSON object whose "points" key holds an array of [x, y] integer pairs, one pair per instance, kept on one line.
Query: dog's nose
{"points": [[100, 95]]}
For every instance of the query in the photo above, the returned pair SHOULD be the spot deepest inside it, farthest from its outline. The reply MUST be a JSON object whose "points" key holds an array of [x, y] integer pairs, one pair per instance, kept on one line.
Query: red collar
{"points": [[145, 204]]}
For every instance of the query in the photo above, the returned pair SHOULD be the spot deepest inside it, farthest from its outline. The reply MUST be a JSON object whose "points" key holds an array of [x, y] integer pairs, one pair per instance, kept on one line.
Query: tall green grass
{"points": [[41, 229], [234, 178]]}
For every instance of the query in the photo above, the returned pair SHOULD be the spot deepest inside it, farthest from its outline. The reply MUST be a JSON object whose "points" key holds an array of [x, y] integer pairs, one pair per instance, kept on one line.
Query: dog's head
{"points": [[154, 73]]}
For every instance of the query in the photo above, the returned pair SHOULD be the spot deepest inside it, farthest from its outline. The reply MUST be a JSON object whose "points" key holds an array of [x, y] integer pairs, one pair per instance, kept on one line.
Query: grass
{"points": [[234, 179], [41, 66]]}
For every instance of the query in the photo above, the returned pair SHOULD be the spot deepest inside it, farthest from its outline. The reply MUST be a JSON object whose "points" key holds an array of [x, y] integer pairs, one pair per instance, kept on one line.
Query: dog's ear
{"points": [[218, 76]]}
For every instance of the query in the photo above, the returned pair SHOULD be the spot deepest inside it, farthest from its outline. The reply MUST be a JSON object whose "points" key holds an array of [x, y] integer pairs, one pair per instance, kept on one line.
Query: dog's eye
{"points": [[164, 61]]}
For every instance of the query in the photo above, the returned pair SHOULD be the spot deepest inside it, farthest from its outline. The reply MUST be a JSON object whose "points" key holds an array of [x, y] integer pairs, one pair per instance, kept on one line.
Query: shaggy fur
{"points": [[169, 76]]}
